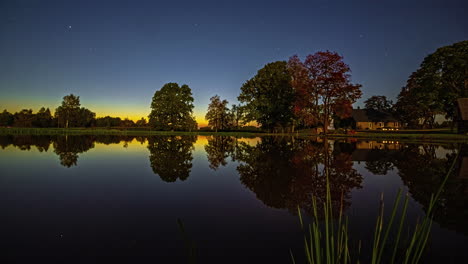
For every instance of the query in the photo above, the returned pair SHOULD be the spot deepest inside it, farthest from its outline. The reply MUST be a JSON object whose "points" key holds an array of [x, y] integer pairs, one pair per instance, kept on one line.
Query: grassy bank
{"points": [[110, 131], [403, 135]]}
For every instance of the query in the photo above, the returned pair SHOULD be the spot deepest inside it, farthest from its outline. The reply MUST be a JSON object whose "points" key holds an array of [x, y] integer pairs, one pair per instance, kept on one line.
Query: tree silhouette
{"points": [[218, 114], [171, 108], [379, 103], [6, 118], [23, 118], [435, 86], [323, 88], [268, 96]]}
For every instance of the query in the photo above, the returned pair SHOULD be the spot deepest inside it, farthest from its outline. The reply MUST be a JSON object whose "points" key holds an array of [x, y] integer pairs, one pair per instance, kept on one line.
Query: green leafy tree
{"points": [[6, 118], [172, 107], [379, 103], [43, 118], [417, 104], [23, 118], [68, 113], [141, 123], [85, 118], [190, 123], [218, 114], [127, 123], [268, 96], [435, 86], [237, 116], [108, 121]]}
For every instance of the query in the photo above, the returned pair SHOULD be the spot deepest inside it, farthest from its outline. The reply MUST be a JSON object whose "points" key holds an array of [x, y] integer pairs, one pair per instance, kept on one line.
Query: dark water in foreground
{"points": [[77, 197]]}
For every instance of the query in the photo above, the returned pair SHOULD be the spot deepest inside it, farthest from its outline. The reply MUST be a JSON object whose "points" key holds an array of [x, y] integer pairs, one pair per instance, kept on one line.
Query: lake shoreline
{"points": [[429, 136]]}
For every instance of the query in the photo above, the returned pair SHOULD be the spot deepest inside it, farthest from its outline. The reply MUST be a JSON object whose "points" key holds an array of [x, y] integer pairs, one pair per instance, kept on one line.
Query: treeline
{"points": [[433, 89], [312, 93], [286, 95], [283, 96], [68, 114]]}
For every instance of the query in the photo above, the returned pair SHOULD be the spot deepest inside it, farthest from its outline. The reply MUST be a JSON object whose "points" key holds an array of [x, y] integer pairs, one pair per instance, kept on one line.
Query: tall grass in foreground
{"points": [[327, 241]]}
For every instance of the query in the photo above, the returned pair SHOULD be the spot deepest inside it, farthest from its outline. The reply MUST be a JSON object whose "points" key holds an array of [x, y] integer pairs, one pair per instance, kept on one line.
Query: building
{"points": [[462, 115], [369, 119]]}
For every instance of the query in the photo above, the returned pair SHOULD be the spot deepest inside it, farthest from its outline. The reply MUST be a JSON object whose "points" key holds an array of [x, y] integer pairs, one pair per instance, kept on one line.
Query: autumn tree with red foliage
{"points": [[323, 88]]}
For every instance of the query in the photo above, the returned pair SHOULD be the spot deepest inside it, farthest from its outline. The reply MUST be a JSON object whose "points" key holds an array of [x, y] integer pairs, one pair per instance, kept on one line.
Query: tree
{"points": [[108, 121], [23, 118], [68, 112], [190, 123], [127, 123], [237, 115], [6, 118], [323, 88], [43, 118], [172, 108], [433, 89], [218, 114], [417, 104], [141, 122], [85, 118], [268, 96], [379, 103]]}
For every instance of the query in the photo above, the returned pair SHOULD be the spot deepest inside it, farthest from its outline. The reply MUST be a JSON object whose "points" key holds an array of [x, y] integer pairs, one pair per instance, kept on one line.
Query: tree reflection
{"points": [[379, 162], [286, 173], [422, 168], [423, 171], [218, 149], [68, 148], [171, 156], [42, 143]]}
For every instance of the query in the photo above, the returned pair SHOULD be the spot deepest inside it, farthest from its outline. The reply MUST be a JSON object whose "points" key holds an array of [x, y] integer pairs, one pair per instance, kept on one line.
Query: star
{"points": [[69, 27]]}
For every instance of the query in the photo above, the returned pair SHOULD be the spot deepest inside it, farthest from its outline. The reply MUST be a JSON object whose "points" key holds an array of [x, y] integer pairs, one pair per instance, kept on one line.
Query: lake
{"points": [[72, 198]]}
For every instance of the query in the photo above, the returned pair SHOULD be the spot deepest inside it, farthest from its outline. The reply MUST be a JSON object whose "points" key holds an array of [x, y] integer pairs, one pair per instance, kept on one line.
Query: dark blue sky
{"points": [[116, 54]]}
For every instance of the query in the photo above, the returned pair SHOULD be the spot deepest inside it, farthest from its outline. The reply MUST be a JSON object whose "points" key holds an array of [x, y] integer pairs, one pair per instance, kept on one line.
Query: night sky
{"points": [[116, 54]]}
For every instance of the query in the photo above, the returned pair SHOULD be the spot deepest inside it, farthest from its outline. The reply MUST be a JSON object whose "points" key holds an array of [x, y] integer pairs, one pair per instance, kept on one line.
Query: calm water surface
{"points": [[77, 197]]}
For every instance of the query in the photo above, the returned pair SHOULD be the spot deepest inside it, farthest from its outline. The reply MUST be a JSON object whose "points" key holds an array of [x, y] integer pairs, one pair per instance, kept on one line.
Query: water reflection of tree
{"points": [[218, 149], [379, 162], [68, 148], [285, 173], [114, 139], [423, 172], [25, 142], [171, 156]]}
